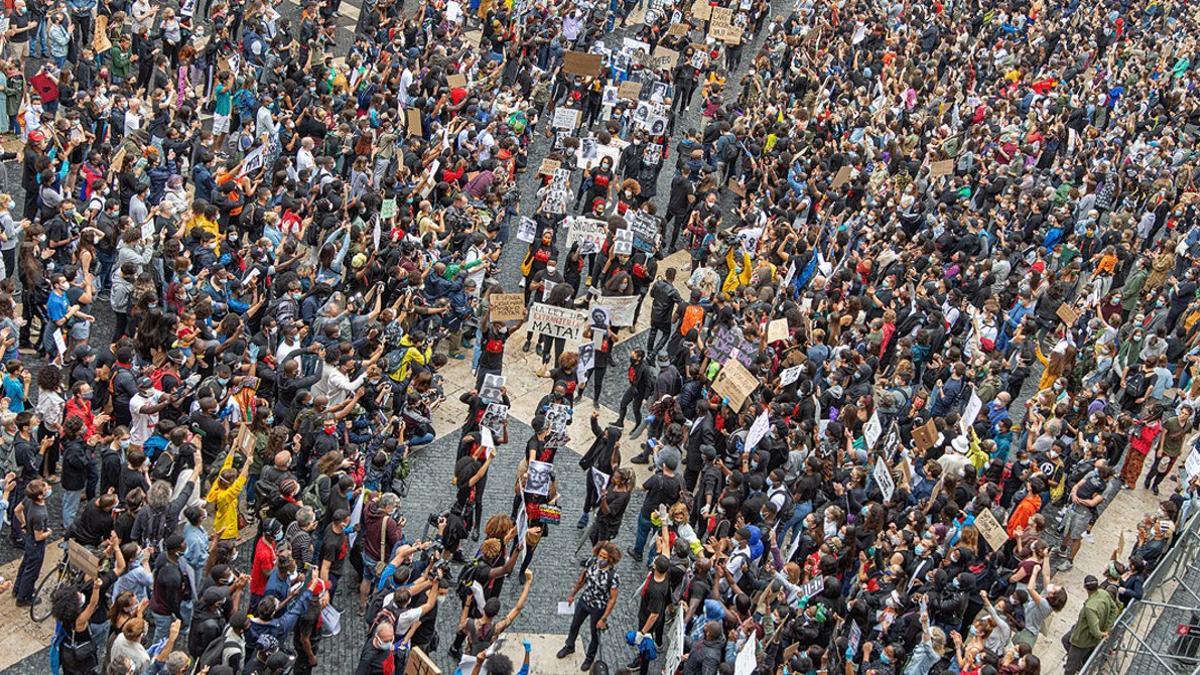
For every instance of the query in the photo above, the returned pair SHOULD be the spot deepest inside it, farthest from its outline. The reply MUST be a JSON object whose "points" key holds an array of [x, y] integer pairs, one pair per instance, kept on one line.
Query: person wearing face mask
{"points": [[265, 554], [34, 521]]}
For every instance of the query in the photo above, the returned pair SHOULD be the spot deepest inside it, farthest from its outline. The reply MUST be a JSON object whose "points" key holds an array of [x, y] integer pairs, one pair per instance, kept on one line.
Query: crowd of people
{"points": [[921, 290]]}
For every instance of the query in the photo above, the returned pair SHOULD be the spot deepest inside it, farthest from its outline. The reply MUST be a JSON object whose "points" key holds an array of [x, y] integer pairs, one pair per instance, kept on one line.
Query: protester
{"points": [[922, 299]]}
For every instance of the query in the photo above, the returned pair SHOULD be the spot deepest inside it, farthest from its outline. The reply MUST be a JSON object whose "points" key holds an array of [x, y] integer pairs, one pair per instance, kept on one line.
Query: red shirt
{"points": [[83, 410], [264, 562]]}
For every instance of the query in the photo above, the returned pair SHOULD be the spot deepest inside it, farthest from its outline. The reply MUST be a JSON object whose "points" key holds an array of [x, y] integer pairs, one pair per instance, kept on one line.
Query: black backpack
{"points": [[789, 505], [467, 576], [213, 653]]}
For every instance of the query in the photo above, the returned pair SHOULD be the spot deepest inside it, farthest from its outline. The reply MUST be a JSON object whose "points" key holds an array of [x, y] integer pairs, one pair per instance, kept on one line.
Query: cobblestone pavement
{"points": [[556, 563]]}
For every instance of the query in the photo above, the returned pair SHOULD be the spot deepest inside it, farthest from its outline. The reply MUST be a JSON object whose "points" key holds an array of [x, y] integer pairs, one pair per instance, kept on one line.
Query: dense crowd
{"points": [[920, 284]]}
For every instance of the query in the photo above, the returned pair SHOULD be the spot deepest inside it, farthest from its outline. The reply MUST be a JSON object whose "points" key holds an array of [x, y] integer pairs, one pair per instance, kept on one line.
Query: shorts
{"points": [[1075, 522], [368, 569], [220, 124]]}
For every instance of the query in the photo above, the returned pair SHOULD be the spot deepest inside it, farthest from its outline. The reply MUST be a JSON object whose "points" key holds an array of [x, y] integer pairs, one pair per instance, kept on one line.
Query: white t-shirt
{"points": [[141, 426]]}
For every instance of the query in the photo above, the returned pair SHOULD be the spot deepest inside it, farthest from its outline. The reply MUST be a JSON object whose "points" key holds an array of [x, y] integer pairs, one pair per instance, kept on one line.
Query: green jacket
{"points": [[1097, 617]]}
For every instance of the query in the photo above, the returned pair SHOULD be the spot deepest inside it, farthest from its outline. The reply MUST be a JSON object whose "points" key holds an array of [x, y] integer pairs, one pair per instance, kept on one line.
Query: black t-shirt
{"points": [[655, 597], [16, 22], [333, 549], [307, 625], [660, 489], [212, 438]]}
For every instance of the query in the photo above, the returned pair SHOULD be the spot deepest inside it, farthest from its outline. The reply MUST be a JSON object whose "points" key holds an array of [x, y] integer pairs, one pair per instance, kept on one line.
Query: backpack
{"points": [[466, 577], [311, 496], [789, 505], [214, 652], [158, 374]]}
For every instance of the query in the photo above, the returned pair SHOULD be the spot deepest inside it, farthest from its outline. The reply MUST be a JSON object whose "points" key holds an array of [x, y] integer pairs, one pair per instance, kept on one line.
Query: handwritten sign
{"points": [[735, 383], [565, 118], [558, 322], [725, 341], [873, 429], [629, 91], [842, 177], [727, 34], [942, 168], [720, 16], [777, 330], [507, 306], [456, 80], [990, 528], [581, 63], [664, 58], [758, 430], [789, 375], [589, 233], [621, 308]]}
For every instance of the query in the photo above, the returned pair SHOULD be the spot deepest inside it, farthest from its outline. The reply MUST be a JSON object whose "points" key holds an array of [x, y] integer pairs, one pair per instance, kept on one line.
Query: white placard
{"points": [[620, 308], [747, 659], [599, 479], [873, 430], [565, 118], [884, 478], [675, 642], [1192, 464], [974, 405], [758, 431], [789, 375]]}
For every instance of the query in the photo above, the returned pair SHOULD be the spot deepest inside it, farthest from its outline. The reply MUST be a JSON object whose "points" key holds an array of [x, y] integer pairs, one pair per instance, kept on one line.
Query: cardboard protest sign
{"points": [[456, 80], [473, 37], [735, 383], [549, 166], [678, 30], [559, 322], [942, 168], [100, 41], [727, 34], [629, 90], [925, 436], [701, 10], [720, 16], [664, 58], [990, 528], [777, 330], [1067, 314], [581, 63], [507, 306], [841, 178], [412, 125]]}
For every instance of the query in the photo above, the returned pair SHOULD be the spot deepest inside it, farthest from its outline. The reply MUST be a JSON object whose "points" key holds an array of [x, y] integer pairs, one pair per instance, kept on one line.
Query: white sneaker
{"points": [[1087, 536]]}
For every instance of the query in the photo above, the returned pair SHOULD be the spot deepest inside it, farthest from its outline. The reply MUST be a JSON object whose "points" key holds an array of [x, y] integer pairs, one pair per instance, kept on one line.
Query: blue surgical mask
{"points": [[919, 549], [223, 381]]}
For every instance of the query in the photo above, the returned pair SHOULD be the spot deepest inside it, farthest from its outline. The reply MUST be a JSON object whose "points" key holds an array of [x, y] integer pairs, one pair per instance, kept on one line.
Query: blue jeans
{"points": [[644, 526], [162, 625], [423, 439], [797, 521], [70, 506], [37, 46]]}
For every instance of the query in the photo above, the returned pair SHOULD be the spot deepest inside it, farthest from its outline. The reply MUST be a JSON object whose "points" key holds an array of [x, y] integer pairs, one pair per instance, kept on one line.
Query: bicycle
{"points": [[63, 575]]}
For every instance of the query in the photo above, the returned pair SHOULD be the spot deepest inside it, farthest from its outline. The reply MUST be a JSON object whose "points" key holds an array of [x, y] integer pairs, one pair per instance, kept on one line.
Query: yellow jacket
{"points": [[736, 279], [226, 500]]}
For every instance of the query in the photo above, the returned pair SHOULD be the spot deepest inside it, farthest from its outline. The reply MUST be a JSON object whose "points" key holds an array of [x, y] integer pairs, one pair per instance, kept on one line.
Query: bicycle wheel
{"points": [[40, 611]]}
